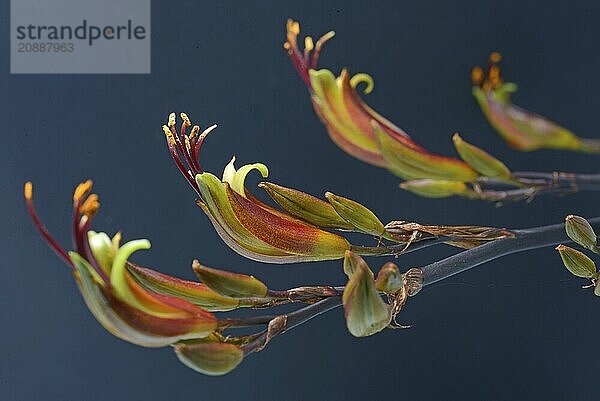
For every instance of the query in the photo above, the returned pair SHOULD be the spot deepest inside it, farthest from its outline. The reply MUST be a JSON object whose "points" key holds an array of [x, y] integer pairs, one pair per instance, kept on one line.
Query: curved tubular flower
{"points": [[357, 128], [246, 225], [520, 128], [295, 232], [123, 306]]}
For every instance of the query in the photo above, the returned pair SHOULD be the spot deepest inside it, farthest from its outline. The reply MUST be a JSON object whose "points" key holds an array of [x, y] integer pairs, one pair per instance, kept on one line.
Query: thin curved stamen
{"points": [[52, 243]]}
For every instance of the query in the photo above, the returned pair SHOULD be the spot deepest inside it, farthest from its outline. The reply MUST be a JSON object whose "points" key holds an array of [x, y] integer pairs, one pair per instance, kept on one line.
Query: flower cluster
{"points": [[363, 133], [301, 229], [147, 308], [151, 309]]}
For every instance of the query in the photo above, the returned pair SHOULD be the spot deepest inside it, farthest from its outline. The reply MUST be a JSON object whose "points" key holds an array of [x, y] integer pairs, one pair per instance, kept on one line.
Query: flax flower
{"points": [[520, 128], [125, 308], [358, 129], [250, 227]]}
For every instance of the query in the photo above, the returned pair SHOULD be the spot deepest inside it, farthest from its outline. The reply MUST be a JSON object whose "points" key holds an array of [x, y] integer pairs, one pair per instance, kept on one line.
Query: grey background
{"points": [[516, 328]]}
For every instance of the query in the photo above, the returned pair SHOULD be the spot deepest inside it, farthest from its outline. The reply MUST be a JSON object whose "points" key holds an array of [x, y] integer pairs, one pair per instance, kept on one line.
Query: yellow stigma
{"points": [[495, 57], [28, 190], [90, 206], [82, 189], [172, 120], [186, 120], [308, 44]]}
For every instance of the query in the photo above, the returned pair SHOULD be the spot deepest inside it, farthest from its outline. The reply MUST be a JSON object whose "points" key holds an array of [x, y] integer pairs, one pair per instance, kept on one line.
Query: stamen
{"points": [[52, 243], [186, 123], [322, 40], [169, 135], [308, 46], [201, 138], [299, 61], [82, 190], [90, 206], [186, 120], [175, 156], [477, 75], [294, 27], [195, 130], [28, 191], [172, 120]]}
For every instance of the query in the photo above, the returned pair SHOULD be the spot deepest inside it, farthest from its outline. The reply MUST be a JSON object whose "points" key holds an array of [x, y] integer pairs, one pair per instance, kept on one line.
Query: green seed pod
{"points": [[389, 279], [352, 262], [356, 214], [577, 262], [480, 160], [580, 231], [229, 284]]}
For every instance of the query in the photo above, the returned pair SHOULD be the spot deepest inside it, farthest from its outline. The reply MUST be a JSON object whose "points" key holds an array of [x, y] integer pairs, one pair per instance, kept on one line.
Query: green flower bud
{"points": [[389, 279], [480, 160], [305, 206], [580, 231], [210, 358], [437, 188], [365, 311], [351, 262], [577, 262], [229, 284], [356, 214]]}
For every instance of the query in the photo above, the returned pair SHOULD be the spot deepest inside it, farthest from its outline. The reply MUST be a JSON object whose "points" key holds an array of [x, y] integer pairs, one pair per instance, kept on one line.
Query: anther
{"points": [[28, 190], [495, 57], [477, 75], [168, 134], [172, 120], [90, 206], [81, 190], [195, 130], [308, 44], [186, 120]]}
